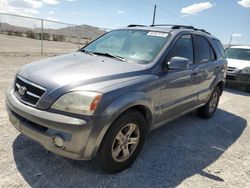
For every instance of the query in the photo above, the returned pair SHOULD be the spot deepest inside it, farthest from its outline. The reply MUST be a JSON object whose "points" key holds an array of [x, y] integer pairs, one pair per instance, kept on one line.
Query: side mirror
{"points": [[178, 63]]}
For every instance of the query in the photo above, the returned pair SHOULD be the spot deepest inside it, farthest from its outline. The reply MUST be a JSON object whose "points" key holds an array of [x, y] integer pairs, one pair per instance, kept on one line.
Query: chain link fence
{"points": [[23, 34]]}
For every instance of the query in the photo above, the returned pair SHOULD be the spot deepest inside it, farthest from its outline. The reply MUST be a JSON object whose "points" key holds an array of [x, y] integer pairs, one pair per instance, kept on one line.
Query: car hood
{"points": [[80, 71], [76, 68], [239, 64]]}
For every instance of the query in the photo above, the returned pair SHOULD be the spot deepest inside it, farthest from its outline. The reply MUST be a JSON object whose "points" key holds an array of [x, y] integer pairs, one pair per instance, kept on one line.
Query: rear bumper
{"points": [[43, 126]]}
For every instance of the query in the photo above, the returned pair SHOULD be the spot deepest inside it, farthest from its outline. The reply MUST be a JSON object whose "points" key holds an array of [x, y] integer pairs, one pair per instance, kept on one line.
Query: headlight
{"points": [[79, 102], [245, 70]]}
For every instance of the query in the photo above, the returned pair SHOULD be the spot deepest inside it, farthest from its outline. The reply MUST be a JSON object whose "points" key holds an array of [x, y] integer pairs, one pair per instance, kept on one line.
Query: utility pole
{"points": [[154, 16], [230, 42]]}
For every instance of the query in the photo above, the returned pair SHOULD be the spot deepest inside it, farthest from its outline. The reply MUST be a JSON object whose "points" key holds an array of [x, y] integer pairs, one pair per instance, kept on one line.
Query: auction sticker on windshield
{"points": [[157, 34]]}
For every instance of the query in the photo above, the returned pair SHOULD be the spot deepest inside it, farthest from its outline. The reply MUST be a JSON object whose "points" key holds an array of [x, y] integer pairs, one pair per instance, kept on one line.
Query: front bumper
{"points": [[43, 126], [239, 78]]}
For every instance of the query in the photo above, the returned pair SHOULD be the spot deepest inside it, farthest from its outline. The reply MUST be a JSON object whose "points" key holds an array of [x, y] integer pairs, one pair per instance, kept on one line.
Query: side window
{"points": [[183, 48], [204, 51], [213, 56]]}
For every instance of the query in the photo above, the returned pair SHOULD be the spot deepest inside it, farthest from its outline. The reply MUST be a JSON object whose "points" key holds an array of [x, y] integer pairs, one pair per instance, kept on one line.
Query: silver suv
{"points": [[102, 100]]}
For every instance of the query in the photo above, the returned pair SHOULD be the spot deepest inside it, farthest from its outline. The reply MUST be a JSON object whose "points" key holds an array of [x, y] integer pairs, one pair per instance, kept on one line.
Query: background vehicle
{"points": [[103, 99], [238, 58]]}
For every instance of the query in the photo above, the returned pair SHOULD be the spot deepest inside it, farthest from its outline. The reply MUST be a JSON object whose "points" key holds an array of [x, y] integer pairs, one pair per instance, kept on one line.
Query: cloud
{"points": [[24, 7], [52, 18], [121, 12], [236, 35], [51, 12], [17, 7], [244, 3], [50, 2], [71, 0], [24, 3], [196, 8]]}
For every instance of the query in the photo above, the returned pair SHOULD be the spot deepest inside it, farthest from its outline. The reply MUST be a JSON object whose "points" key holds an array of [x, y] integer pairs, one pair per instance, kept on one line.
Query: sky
{"points": [[221, 18]]}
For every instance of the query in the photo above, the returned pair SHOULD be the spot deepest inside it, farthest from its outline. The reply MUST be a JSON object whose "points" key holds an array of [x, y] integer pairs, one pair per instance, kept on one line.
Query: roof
{"points": [[242, 47]]}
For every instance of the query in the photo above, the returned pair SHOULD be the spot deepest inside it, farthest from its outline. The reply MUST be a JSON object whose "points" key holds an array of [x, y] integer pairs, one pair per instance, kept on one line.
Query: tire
{"points": [[210, 107], [112, 161], [248, 88]]}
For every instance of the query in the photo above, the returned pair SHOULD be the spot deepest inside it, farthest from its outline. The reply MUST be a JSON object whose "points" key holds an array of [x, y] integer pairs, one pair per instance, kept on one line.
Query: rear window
{"points": [[219, 47]]}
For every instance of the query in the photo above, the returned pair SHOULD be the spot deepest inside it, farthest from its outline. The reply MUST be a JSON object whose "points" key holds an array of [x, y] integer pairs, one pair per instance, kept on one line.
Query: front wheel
{"points": [[123, 142], [208, 110]]}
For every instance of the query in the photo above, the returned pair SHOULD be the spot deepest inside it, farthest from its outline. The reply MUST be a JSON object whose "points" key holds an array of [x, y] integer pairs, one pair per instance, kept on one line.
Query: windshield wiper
{"points": [[103, 54], [85, 51], [110, 55]]}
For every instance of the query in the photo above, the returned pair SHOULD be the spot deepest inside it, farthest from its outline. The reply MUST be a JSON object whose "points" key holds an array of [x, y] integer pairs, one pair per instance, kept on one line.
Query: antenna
{"points": [[153, 23]]}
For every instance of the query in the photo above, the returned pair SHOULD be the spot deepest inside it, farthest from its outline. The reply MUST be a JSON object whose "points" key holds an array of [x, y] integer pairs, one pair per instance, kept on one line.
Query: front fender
{"points": [[127, 101], [111, 113]]}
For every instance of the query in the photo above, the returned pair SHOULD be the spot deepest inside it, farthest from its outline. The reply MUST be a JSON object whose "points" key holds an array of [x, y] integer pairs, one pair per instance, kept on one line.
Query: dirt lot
{"points": [[11, 45], [189, 152]]}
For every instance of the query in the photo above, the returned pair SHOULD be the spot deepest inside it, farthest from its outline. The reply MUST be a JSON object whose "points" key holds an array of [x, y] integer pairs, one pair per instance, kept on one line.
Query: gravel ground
{"points": [[12, 45], [189, 152]]}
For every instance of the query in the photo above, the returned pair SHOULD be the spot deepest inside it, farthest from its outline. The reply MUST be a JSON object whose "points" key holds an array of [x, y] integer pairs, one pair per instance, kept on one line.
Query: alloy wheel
{"points": [[213, 102], [125, 142]]}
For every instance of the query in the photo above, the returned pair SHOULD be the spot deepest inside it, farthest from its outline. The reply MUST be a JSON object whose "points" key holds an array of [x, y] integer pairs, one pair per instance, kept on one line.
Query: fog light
{"points": [[58, 141]]}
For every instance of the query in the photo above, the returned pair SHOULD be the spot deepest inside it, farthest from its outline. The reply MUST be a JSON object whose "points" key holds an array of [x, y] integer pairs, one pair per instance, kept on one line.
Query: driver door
{"points": [[177, 91]]}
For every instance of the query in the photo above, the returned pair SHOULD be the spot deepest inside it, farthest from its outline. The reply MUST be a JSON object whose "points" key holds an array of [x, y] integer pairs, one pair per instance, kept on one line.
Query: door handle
{"points": [[194, 74], [217, 68]]}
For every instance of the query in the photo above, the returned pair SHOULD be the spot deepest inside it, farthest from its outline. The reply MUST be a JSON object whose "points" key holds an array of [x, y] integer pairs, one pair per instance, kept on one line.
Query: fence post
{"points": [[42, 37], [77, 37]]}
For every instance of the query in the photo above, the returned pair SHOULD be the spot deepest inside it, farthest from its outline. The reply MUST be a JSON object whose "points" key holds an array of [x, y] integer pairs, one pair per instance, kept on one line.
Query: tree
{"points": [[58, 38], [31, 34]]}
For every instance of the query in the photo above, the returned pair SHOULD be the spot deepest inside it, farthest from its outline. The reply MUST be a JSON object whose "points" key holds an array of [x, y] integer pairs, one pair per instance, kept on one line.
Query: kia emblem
{"points": [[22, 90]]}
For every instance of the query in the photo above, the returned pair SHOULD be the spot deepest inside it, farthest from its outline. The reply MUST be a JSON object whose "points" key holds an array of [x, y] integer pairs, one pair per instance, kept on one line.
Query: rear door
{"points": [[205, 67]]}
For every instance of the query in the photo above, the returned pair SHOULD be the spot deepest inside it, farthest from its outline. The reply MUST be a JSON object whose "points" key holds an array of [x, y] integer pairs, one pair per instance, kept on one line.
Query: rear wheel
{"points": [[208, 110], [123, 142]]}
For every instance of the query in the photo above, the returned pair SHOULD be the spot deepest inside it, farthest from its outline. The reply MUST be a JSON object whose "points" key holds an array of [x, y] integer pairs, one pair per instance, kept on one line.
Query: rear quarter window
{"points": [[219, 47]]}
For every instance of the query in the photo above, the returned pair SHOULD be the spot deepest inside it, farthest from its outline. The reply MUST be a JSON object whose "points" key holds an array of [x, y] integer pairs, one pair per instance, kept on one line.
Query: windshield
{"points": [[238, 53], [135, 46]]}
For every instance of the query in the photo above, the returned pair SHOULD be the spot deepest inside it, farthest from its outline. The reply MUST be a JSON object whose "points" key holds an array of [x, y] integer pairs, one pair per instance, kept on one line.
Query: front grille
{"points": [[230, 77], [28, 92], [231, 69]]}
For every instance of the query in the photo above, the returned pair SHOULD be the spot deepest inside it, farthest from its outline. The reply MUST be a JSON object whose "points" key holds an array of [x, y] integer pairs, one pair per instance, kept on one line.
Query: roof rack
{"points": [[136, 25], [202, 30], [172, 26], [182, 27]]}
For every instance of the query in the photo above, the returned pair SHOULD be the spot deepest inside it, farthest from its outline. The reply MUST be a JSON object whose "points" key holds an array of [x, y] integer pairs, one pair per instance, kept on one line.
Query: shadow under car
{"points": [[170, 155]]}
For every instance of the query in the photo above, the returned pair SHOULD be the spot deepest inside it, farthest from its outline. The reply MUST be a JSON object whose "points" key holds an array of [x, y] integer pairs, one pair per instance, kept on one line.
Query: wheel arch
{"points": [[133, 101], [144, 110], [221, 85]]}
